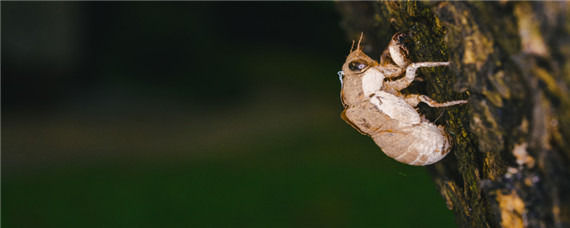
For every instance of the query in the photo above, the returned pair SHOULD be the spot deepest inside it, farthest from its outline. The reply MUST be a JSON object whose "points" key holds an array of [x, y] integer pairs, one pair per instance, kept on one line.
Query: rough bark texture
{"points": [[511, 159]]}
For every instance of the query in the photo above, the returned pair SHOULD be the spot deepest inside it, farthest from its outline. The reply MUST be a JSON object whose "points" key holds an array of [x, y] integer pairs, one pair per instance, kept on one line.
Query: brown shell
{"points": [[416, 144]]}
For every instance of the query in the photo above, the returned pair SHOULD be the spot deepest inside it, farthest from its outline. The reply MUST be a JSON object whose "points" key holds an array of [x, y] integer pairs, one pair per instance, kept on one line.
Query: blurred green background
{"points": [[190, 114]]}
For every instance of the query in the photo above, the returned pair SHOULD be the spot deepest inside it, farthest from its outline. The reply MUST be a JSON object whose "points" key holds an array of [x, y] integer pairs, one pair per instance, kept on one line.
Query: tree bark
{"points": [[510, 166]]}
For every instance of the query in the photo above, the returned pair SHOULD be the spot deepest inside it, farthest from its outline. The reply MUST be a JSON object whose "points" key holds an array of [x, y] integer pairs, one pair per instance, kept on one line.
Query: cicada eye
{"points": [[357, 65]]}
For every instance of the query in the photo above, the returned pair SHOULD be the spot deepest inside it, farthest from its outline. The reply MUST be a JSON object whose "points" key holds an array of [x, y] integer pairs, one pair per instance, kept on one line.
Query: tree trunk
{"points": [[511, 159]]}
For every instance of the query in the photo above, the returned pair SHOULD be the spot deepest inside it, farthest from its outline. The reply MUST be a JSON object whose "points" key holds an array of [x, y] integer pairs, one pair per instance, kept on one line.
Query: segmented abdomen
{"points": [[420, 144]]}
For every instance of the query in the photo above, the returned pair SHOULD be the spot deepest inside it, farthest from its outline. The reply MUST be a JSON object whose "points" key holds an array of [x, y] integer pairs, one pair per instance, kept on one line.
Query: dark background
{"points": [[190, 114]]}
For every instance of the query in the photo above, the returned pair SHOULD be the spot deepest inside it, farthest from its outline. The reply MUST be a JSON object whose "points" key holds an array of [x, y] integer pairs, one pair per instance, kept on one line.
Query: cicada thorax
{"points": [[352, 89], [368, 119]]}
